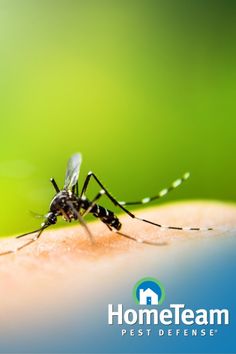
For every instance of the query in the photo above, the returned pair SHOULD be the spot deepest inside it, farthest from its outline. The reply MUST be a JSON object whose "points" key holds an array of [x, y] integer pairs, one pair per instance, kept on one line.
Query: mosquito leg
{"points": [[83, 223], [27, 243], [162, 193], [140, 240], [116, 203], [52, 180], [81, 220], [32, 232], [93, 202], [31, 241], [77, 189]]}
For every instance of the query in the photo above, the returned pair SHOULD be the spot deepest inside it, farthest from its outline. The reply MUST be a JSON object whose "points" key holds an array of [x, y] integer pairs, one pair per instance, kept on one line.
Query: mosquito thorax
{"points": [[60, 205], [59, 200]]}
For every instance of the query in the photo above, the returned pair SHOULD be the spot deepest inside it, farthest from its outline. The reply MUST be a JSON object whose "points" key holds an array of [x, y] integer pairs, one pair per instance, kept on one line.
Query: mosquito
{"points": [[71, 205]]}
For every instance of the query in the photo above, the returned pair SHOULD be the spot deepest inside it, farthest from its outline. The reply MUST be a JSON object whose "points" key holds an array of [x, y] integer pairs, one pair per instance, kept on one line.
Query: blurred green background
{"points": [[144, 89]]}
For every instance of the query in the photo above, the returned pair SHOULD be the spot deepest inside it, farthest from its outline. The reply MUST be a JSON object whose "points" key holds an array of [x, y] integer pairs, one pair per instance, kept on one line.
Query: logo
{"points": [[175, 319], [148, 291]]}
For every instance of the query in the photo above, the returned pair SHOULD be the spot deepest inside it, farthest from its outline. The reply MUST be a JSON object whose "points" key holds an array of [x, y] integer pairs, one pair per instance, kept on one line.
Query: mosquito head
{"points": [[51, 218]]}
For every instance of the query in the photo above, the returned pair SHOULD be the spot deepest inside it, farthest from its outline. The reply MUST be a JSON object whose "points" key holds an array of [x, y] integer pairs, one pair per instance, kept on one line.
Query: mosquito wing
{"points": [[72, 171]]}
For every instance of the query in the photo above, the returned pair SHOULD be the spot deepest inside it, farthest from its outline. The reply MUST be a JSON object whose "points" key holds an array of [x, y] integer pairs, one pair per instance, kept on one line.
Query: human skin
{"points": [[63, 260]]}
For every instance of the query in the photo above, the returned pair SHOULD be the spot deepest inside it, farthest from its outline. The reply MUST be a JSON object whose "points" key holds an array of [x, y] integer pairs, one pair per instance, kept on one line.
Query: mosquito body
{"points": [[71, 205]]}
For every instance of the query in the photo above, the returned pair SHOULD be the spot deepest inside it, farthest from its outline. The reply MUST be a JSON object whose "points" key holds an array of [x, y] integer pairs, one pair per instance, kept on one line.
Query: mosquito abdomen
{"points": [[106, 216]]}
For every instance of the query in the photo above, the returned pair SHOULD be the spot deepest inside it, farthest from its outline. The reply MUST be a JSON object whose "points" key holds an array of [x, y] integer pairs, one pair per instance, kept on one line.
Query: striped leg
{"points": [[139, 240], [162, 193], [116, 203]]}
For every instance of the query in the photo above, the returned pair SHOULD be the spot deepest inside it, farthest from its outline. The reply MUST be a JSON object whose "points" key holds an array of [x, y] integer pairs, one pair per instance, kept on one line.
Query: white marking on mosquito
{"points": [[98, 209], [122, 203], [83, 197], [176, 183], [186, 175], [102, 191], [90, 173], [107, 212], [146, 200], [163, 192]]}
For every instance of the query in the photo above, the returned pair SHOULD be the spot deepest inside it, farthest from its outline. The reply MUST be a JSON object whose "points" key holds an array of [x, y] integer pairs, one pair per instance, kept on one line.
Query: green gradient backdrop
{"points": [[144, 89]]}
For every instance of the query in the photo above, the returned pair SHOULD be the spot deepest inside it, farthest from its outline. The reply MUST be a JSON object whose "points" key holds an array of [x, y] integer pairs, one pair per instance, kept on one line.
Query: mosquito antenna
{"points": [[36, 215]]}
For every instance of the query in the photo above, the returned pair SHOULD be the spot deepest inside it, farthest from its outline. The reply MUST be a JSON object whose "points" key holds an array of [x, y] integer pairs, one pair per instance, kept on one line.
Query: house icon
{"points": [[147, 297]]}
